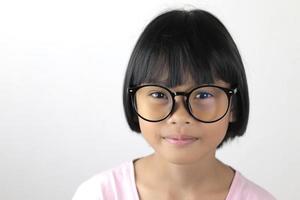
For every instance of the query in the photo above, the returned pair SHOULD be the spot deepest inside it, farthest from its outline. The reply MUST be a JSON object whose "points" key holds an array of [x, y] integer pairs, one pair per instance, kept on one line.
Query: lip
{"points": [[180, 140]]}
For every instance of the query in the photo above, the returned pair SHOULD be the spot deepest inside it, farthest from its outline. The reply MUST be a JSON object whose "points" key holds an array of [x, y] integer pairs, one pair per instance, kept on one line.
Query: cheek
{"points": [[215, 132], [150, 130]]}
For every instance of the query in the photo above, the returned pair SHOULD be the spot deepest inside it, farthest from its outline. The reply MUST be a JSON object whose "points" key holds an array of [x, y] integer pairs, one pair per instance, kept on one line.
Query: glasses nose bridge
{"points": [[184, 94], [185, 98]]}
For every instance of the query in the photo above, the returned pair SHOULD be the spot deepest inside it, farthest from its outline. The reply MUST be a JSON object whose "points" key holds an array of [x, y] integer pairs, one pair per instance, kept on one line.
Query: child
{"points": [[186, 91]]}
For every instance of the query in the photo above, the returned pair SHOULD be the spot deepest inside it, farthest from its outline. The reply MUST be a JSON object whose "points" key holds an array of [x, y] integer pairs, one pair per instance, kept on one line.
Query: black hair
{"points": [[179, 45]]}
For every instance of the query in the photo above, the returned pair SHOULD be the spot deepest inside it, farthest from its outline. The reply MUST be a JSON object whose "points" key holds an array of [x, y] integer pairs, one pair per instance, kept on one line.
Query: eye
{"points": [[203, 95], [158, 95]]}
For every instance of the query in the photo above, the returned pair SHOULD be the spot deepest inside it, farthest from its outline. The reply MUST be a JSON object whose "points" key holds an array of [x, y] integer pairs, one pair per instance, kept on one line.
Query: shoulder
{"points": [[243, 188], [108, 184]]}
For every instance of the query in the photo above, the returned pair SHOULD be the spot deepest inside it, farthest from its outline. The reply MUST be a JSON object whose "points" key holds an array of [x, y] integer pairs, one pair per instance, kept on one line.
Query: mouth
{"points": [[180, 140]]}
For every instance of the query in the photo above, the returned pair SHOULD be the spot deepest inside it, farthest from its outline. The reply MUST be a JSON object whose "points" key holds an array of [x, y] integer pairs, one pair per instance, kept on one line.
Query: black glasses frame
{"points": [[229, 92]]}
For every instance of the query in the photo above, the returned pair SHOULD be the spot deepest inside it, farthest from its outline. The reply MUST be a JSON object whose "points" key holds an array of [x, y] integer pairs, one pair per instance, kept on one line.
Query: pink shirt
{"points": [[119, 184]]}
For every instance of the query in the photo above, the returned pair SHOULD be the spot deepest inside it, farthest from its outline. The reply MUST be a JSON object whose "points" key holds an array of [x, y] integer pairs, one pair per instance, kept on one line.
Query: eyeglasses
{"points": [[206, 103]]}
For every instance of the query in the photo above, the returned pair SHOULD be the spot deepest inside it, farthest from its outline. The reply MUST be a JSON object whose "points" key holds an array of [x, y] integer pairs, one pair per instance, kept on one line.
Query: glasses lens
{"points": [[208, 103], [153, 103]]}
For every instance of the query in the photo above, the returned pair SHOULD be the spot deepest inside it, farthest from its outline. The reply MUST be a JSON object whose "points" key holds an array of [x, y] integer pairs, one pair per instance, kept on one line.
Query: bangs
{"points": [[175, 66]]}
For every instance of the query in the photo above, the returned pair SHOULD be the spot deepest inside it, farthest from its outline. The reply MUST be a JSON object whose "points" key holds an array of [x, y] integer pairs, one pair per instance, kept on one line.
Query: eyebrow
{"points": [[163, 83]]}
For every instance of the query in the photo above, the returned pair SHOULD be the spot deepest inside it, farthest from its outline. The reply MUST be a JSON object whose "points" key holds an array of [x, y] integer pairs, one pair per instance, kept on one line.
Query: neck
{"points": [[202, 174]]}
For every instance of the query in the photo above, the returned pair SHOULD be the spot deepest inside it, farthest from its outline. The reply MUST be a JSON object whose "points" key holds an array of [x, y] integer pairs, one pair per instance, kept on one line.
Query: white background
{"points": [[61, 72]]}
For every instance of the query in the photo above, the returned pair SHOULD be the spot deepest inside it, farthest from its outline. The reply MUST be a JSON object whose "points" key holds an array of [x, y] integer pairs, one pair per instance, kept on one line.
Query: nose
{"points": [[180, 115]]}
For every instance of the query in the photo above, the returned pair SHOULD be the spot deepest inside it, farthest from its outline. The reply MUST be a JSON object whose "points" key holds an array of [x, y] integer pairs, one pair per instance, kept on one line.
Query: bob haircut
{"points": [[180, 45]]}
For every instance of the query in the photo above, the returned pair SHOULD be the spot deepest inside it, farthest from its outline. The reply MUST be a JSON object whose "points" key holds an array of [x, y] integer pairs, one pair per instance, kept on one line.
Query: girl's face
{"points": [[206, 136]]}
